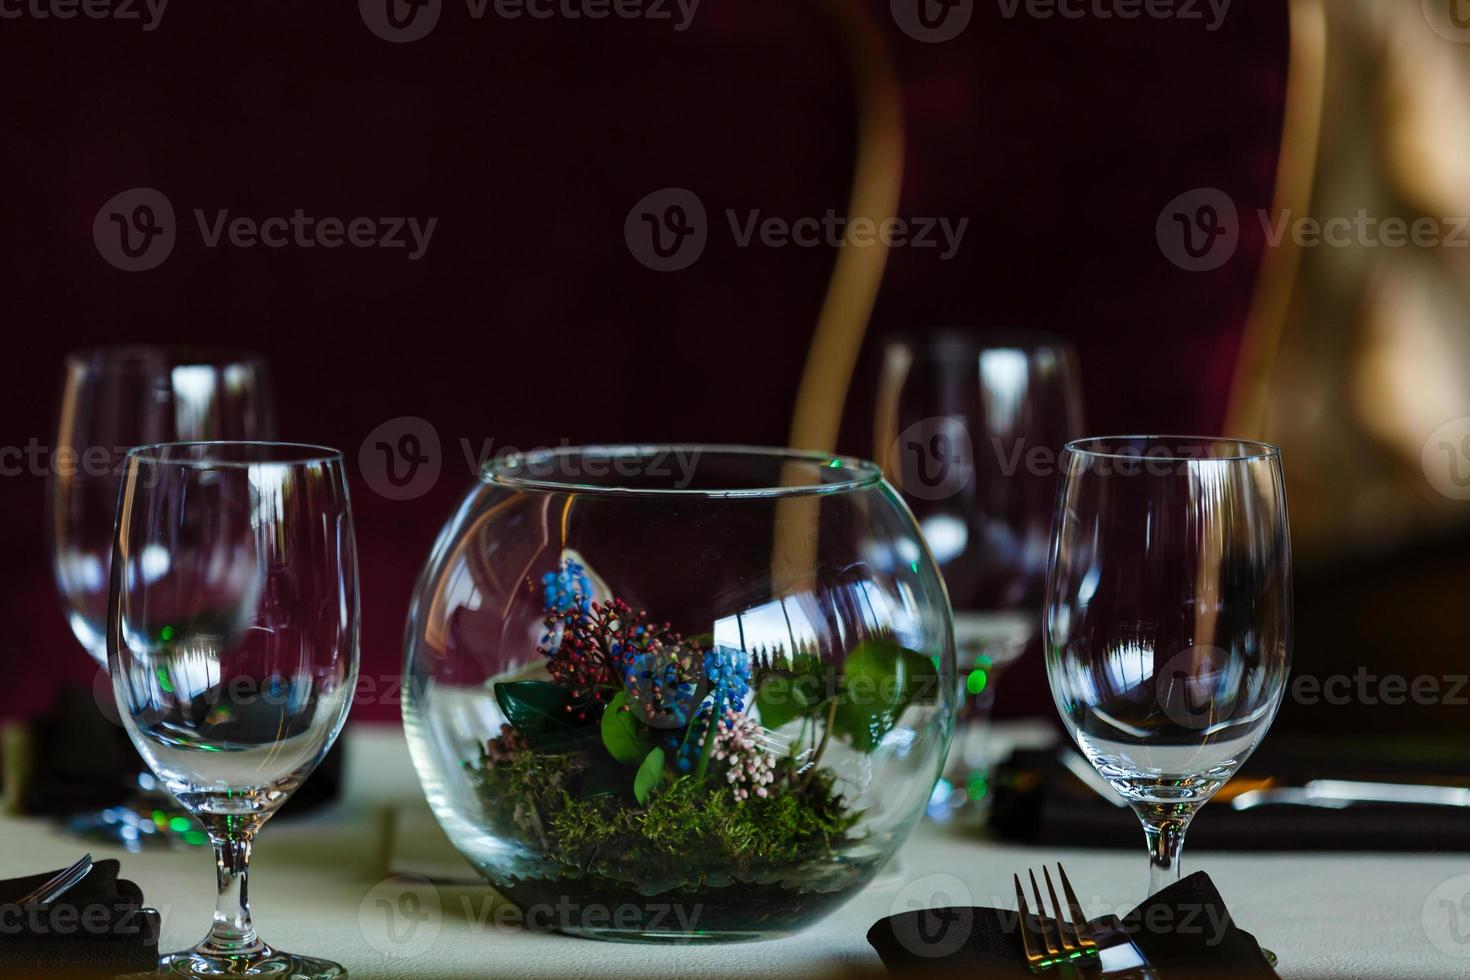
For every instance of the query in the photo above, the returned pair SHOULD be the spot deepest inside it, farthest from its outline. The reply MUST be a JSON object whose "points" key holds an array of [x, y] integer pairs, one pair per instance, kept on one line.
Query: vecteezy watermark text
{"points": [[35, 459], [668, 230], [403, 21], [835, 231], [1210, 12], [147, 12], [304, 231], [1200, 230], [117, 918], [936, 21], [401, 917], [1363, 687], [401, 459], [136, 230]]}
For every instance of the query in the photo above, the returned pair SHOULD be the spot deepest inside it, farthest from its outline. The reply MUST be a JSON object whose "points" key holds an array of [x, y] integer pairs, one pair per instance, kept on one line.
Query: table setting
{"points": [[740, 753], [831, 488]]}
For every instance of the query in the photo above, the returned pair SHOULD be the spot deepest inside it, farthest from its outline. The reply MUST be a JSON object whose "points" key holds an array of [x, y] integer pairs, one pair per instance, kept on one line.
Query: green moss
{"points": [[690, 830]]}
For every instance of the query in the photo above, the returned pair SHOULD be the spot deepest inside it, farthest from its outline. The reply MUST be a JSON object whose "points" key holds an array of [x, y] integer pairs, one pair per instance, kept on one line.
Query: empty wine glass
{"points": [[970, 425], [114, 398], [1168, 618], [233, 640]]}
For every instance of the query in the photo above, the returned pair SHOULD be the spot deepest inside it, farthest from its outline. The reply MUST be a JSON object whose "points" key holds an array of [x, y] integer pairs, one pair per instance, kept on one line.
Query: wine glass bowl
{"points": [[115, 398], [688, 694], [1168, 617], [233, 646], [970, 426]]}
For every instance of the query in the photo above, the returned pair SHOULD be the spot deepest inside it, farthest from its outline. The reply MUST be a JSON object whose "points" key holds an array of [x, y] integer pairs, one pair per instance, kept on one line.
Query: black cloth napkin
{"points": [[1037, 801], [98, 928], [1185, 931]]}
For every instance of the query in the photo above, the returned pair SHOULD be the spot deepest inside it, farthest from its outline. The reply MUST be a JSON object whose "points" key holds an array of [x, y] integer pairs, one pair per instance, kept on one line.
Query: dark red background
{"points": [[528, 321]]}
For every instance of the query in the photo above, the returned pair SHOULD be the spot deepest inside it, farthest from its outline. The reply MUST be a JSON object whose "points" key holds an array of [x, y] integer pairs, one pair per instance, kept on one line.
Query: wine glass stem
{"points": [[1165, 835], [232, 933]]}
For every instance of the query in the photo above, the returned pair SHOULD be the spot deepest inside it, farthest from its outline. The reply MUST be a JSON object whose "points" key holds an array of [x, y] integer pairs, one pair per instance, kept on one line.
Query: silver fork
{"points": [[1103, 944], [52, 889], [1074, 941]]}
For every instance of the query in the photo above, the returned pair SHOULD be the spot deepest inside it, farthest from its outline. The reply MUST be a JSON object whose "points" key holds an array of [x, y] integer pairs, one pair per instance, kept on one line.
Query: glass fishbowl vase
{"points": [[681, 694]]}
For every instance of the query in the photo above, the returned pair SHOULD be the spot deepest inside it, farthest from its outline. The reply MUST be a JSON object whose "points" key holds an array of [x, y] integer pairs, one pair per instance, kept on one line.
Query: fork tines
{"points": [[1074, 938]]}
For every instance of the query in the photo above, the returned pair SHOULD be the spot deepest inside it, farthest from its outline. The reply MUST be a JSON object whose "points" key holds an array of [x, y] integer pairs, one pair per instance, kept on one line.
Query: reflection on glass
{"points": [[233, 660], [784, 593], [112, 399], [115, 398], [970, 427], [1168, 618]]}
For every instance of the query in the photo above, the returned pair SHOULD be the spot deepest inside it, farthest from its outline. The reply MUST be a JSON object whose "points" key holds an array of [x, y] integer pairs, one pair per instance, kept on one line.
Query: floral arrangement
{"points": [[639, 762]]}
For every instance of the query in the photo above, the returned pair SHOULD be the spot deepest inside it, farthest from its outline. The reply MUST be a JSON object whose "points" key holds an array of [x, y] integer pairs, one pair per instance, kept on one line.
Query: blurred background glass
{"points": [[970, 426], [113, 399]]}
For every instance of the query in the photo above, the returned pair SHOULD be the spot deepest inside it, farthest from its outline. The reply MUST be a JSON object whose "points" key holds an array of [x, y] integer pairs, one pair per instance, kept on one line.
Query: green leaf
{"points": [[648, 776], [622, 733], [880, 679], [538, 710], [600, 780], [792, 692], [776, 701]]}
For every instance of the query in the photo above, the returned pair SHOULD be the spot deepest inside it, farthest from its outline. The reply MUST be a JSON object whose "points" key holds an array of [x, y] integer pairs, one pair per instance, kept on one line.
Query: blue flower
{"points": [[728, 671], [693, 744], [663, 684], [567, 585]]}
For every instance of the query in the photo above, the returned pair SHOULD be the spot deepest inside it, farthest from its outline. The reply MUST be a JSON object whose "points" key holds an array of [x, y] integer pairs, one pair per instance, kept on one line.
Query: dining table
{"points": [[371, 882]]}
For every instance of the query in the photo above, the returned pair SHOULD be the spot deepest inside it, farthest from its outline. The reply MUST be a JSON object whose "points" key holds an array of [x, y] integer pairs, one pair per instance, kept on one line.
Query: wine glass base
{"points": [[138, 826], [266, 963]]}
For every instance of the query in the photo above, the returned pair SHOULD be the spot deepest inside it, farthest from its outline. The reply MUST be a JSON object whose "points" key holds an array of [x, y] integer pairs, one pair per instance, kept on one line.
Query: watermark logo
{"points": [[1197, 686], [147, 12], [105, 697], [1365, 230], [1450, 19], [401, 458], [280, 694], [667, 230], [1199, 230], [1211, 13], [135, 230], [942, 918], [400, 21], [1446, 458], [934, 458], [1363, 687], [834, 230], [401, 917], [932, 21], [1446, 917], [403, 21]]}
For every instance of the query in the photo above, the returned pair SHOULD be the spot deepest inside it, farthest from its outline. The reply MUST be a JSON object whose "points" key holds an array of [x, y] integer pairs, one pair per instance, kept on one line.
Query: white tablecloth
{"points": [[324, 885]]}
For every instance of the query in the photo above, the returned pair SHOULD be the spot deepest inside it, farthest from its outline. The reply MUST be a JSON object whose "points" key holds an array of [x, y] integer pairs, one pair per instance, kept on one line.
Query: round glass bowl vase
{"points": [[681, 694]]}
